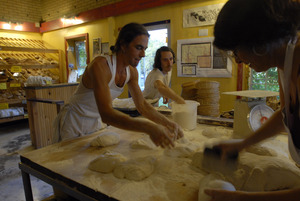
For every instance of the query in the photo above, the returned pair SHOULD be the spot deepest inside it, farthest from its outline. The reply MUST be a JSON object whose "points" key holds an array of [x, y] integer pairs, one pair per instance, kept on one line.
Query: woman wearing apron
{"points": [[104, 80], [263, 34]]}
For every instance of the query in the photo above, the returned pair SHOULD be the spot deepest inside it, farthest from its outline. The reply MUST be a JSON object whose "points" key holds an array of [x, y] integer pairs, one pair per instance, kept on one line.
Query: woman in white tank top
{"points": [[104, 80]]}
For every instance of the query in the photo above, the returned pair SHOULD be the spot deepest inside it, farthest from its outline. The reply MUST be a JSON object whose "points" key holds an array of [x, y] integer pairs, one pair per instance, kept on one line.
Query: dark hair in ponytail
{"points": [[127, 34]]}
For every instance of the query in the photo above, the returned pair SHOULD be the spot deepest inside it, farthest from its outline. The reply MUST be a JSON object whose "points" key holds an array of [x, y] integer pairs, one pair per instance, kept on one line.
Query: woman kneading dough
{"points": [[104, 80]]}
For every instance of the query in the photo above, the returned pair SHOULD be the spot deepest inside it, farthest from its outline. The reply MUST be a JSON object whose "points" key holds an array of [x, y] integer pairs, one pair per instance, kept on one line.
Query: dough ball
{"points": [[260, 150], [215, 132], [181, 151], [213, 182], [135, 169], [106, 139], [143, 143], [106, 162]]}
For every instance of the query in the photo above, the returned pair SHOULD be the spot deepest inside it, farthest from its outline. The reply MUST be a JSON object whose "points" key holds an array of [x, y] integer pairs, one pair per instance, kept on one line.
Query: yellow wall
{"points": [[19, 34], [107, 30], [173, 12]]}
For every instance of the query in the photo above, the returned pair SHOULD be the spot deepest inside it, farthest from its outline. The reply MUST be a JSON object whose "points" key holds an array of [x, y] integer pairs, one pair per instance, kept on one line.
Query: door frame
{"points": [[84, 36]]}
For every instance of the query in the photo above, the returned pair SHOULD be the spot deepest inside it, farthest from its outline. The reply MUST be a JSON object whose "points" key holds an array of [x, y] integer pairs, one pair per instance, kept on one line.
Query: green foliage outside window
{"points": [[267, 80]]}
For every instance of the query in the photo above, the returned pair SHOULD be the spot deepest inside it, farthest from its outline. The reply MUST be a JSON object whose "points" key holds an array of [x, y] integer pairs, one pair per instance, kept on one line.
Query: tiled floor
{"points": [[15, 139]]}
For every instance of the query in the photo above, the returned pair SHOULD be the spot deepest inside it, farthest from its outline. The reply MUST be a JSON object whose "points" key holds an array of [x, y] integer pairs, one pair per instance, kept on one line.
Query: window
{"points": [[159, 33], [267, 80], [80, 57]]}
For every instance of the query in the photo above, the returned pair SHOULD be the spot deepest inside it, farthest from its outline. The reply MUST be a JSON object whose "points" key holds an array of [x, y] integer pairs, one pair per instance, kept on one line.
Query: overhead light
{"points": [[71, 21], [19, 27], [6, 25]]}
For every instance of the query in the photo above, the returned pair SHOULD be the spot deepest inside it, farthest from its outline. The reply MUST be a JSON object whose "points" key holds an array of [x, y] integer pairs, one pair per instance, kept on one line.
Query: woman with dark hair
{"points": [[158, 80], [264, 34], [104, 80]]}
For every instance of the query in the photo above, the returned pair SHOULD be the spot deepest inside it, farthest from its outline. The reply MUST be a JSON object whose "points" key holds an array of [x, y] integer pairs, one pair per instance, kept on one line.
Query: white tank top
{"points": [[83, 101]]}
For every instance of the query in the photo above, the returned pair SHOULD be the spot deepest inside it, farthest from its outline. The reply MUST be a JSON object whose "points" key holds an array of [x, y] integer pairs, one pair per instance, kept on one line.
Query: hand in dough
{"points": [[176, 130], [160, 136], [229, 147]]}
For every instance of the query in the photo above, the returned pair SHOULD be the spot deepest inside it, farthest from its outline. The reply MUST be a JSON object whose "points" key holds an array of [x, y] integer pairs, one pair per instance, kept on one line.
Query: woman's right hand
{"points": [[161, 136], [230, 147]]}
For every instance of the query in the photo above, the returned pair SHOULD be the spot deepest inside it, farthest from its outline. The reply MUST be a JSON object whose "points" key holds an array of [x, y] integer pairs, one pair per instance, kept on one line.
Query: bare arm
{"points": [[270, 128], [222, 195], [165, 91], [147, 110], [99, 76]]}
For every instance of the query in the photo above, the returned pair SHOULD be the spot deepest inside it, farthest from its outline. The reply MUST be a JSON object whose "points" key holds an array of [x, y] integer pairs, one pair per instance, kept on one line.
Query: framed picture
{"points": [[96, 47], [199, 58], [189, 69], [105, 48], [201, 16]]}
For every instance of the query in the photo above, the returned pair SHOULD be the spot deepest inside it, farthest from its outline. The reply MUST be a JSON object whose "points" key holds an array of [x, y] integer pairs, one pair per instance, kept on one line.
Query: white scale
{"points": [[251, 111]]}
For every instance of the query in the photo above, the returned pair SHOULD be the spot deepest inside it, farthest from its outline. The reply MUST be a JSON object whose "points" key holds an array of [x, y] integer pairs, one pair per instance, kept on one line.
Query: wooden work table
{"points": [[65, 166]]}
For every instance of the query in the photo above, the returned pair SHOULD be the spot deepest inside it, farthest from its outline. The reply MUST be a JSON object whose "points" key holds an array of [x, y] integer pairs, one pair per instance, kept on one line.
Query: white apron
{"points": [[81, 115], [285, 83]]}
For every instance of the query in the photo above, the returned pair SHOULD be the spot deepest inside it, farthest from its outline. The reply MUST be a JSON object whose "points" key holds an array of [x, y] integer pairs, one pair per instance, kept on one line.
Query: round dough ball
{"points": [[143, 143], [213, 182], [106, 162], [106, 139], [135, 169]]}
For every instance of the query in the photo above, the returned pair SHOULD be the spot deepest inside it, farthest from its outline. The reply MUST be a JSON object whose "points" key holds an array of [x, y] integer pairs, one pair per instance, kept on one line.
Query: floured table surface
{"points": [[174, 178]]}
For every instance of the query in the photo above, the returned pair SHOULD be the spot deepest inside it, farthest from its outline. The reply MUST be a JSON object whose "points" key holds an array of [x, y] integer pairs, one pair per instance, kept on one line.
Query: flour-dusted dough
{"points": [[258, 149], [214, 182], [135, 169], [216, 132], [181, 150], [255, 172], [143, 143], [106, 162], [106, 139], [270, 173]]}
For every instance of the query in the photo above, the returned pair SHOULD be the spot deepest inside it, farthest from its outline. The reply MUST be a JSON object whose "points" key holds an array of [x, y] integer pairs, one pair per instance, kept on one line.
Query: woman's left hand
{"points": [[176, 130]]}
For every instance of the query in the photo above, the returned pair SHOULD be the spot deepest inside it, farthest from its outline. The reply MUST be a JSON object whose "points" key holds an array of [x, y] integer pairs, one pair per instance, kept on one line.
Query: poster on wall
{"points": [[199, 58], [96, 47], [201, 16]]}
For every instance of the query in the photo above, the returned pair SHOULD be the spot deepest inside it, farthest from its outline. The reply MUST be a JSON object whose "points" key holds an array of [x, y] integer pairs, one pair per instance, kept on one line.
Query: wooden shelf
{"points": [[14, 118], [14, 101], [45, 66], [31, 55], [25, 49]]}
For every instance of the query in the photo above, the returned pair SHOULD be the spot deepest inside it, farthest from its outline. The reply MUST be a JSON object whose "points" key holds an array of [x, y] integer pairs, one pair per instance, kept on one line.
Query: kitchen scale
{"points": [[251, 111]]}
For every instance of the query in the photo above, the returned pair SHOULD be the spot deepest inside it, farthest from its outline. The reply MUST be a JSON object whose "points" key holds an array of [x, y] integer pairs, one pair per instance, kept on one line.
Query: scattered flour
{"points": [[217, 132], [182, 149]]}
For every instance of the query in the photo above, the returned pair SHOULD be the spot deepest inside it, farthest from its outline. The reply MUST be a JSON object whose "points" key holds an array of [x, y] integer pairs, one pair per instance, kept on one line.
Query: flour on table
{"points": [[106, 139], [143, 143], [135, 169], [106, 162], [181, 150], [213, 181], [217, 132]]}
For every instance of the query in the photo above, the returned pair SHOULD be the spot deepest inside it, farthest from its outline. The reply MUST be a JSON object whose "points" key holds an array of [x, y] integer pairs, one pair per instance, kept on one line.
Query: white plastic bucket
{"points": [[185, 114]]}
